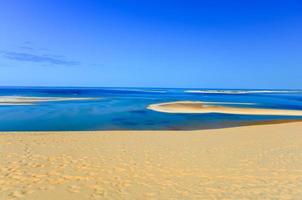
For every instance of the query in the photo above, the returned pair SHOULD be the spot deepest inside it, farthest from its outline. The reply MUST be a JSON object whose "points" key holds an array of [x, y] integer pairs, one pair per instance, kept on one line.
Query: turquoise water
{"points": [[125, 108]]}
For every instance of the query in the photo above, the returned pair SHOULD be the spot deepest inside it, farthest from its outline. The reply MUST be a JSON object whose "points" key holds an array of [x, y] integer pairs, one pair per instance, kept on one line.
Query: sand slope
{"points": [[256, 162]]}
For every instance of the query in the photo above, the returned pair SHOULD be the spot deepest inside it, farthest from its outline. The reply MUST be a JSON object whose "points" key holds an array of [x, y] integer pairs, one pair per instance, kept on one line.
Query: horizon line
{"points": [[212, 88]]}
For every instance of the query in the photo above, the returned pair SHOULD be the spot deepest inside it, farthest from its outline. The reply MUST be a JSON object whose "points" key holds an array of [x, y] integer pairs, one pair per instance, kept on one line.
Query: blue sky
{"points": [[159, 43]]}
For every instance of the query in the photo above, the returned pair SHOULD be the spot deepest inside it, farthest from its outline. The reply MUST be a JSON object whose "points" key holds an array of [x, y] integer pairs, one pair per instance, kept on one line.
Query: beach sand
{"points": [[251, 162], [204, 107]]}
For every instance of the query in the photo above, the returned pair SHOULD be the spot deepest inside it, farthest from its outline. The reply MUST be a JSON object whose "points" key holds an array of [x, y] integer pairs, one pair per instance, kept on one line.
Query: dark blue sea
{"points": [[125, 108]]}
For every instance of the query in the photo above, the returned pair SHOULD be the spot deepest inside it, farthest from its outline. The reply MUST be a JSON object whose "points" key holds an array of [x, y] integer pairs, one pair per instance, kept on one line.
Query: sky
{"points": [[151, 43]]}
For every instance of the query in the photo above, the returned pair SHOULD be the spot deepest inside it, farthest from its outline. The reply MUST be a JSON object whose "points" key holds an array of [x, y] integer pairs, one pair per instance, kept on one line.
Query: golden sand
{"points": [[202, 107], [252, 162]]}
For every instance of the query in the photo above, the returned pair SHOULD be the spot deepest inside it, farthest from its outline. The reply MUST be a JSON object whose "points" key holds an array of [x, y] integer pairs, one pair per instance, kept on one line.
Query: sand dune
{"points": [[202, 107], [254, 162]]}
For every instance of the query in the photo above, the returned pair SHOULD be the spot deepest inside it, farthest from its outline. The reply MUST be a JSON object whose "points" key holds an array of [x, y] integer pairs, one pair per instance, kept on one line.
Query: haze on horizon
{"points": [[197, 44]]}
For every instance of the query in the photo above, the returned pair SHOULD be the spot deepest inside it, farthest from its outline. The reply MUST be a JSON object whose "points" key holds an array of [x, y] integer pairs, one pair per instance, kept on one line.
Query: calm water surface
{"points": [[125, 108]]}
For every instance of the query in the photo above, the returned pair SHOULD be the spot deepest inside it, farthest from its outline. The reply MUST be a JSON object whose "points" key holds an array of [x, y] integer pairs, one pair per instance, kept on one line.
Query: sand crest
{"points": [[202, 107]]}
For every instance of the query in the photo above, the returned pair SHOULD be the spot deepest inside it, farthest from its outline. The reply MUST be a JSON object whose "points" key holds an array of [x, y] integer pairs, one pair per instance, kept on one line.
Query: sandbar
{"points": [[203, 107], [22, 100]]}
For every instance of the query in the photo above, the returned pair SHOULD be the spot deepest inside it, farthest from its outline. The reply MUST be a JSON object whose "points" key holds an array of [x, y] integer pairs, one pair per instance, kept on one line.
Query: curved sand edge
{"points": [[202, 107]]}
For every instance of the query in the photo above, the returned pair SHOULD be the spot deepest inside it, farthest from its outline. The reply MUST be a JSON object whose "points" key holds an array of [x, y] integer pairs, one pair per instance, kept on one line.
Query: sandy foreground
{"points": [[251, 162], [206, 107]]}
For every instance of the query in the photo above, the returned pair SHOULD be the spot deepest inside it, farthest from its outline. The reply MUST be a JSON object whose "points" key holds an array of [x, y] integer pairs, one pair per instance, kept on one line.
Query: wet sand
{"points": [[251, 162], [203, 107]]}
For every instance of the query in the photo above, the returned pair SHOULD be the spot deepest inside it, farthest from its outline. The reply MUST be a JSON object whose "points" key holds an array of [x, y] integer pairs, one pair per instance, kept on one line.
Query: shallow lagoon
{"points": [[125, 108]]}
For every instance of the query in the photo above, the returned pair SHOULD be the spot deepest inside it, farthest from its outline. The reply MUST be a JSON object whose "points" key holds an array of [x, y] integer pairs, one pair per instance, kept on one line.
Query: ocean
{"points": [[126, 108]]}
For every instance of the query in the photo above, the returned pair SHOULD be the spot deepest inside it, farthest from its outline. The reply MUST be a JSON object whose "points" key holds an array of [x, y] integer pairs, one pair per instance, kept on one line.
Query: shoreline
{"points": [[246, 124], [251, 162]]}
